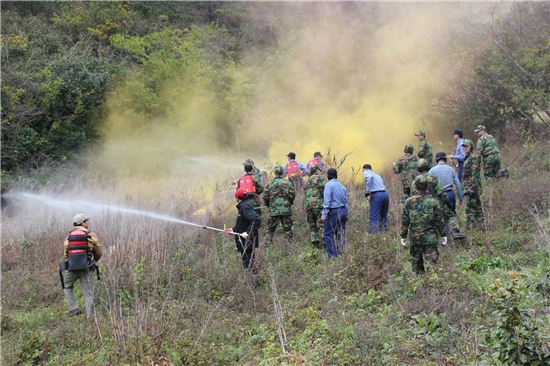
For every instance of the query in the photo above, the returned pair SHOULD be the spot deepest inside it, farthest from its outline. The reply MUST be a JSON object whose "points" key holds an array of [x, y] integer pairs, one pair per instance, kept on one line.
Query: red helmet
{"points": [[240, 193]]}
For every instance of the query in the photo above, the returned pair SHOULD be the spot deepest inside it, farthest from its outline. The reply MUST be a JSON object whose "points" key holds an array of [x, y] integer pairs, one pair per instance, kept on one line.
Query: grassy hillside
{"points": [[171, 295]]}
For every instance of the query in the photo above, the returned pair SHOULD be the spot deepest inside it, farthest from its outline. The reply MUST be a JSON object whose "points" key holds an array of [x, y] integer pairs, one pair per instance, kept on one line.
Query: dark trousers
{"points": [[335, 230], [246, 248], [379, 204], [452, 199], [419, 253], [460, 169]]}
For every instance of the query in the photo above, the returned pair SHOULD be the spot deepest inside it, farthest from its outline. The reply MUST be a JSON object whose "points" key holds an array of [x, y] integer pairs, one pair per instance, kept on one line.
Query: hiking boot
{"points": [[75, 312], [457, 235]]}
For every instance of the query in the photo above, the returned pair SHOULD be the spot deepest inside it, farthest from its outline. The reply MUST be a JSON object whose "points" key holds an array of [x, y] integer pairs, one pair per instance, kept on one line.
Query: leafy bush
{"points": [[516, 338]]}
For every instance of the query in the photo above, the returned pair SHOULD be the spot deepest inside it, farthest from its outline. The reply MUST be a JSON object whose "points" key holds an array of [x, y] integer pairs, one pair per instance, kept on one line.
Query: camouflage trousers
{"points": [[406, 193], [474, 211], [421, 252], [315, 225], [491, 166], [297, 182], [273, 221]]}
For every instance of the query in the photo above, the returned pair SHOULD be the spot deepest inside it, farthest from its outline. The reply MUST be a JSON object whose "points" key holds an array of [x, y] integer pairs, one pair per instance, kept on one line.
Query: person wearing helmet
{"points": [[317, 161], [247, 224], [295, 171], [487, 149], [424, 147], [406, 166], [279, 196], [81, 252], [447, 177], [379, 200], [313, 203], [458, 136], [435, 189], [472, 187], [334, 214], [422, 224]]}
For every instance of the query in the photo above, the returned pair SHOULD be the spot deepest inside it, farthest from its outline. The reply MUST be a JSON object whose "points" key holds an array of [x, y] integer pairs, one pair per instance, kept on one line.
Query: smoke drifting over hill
{"points": [[355, 80]]}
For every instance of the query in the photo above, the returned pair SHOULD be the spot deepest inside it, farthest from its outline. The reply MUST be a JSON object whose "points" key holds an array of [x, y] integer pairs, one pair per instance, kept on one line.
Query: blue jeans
{"points": [[460, 169], [379, 204], [335, 230], [452, 198]]}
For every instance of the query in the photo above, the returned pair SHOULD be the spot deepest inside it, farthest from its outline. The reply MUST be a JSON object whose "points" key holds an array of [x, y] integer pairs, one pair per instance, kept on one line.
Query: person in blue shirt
{"points": [[446, 176], [334, 214], [295, 171], [459, 155], [379, 200]]}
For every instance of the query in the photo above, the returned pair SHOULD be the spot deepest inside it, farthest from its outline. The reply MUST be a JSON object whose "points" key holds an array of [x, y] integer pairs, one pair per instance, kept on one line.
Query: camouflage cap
{"points": [[279, 171], [420, 133], [409, 149], [313, 169], [79, 218], [480, 128], [469, 143], [421, 182], [422, 165], [248, 162]]}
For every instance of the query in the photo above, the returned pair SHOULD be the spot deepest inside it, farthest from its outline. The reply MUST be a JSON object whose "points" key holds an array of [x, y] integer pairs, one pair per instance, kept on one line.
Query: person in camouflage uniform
{"points": [[435, 190], [424, 148], [471, 182], [490, 155], [422, 222], [406, 166], [279, 196], [259, 176], [313, 202]]}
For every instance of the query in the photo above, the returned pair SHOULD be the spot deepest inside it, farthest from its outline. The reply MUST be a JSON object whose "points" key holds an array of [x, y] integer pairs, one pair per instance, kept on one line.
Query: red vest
{"points": [[293, 169], [313, 162], [247, 183], [78, 250]]}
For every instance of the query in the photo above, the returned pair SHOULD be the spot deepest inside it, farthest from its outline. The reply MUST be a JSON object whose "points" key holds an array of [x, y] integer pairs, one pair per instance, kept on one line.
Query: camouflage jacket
{"points": [[425, 151], [314, 189], [471, 175], [434, 189], [278, 196], [487, 145], [259, 176], [406, 166], [422, 220]]}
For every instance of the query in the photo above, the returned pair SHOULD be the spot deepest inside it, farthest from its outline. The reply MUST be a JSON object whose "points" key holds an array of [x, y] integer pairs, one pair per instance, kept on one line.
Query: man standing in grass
{"points": [[313, 202], [472, 187], [279, 196], [81, 252], [422, 223], [335, 214]]}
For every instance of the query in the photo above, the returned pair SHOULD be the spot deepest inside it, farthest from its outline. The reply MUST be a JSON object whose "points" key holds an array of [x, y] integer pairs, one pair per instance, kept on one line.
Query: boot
{"points": [[457, 235]]}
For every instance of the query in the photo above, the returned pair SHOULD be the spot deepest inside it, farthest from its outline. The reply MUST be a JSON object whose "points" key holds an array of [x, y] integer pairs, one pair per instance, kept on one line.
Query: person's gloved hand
{"points": [[229, 231], [244, 235], [403, 242], [444, 240]]}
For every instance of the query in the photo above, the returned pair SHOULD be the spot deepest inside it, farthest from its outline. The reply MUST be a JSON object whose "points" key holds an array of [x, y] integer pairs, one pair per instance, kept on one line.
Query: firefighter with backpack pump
{"points": [[81, 252], [295, 170]]}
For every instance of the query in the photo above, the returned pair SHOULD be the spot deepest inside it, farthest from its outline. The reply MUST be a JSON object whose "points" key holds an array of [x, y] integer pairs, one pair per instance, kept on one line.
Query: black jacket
{"points": [[248, 220]]}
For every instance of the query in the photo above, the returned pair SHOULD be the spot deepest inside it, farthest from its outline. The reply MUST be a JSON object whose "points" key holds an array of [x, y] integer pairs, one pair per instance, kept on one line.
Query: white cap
{"points": [[79, 218]]}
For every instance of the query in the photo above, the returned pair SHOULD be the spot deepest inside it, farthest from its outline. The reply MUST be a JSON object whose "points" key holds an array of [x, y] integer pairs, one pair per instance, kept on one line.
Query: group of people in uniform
{"points": [[428, 217], [430, 191]]}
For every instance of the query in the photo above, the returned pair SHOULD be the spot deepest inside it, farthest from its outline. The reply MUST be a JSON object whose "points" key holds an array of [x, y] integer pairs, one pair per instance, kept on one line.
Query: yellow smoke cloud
{"points": [[356, 82]]}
